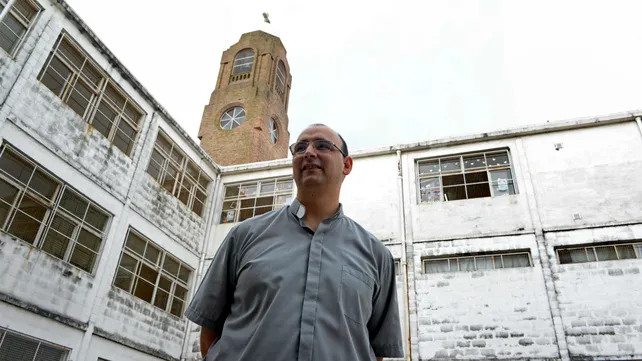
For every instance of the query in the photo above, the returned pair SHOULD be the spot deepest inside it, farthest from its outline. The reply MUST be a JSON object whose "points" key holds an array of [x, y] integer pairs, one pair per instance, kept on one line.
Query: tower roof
{"points": [[262, 33]]}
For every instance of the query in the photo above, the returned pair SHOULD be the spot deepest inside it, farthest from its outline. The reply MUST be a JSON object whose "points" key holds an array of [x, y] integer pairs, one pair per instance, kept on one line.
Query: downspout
{"points": [[639, 122], [6, 9], [404, 260], [201, 261]]}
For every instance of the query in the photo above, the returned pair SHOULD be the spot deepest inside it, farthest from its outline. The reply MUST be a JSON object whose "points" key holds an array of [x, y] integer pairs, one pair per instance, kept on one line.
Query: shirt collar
{"points": [[298, 209]]}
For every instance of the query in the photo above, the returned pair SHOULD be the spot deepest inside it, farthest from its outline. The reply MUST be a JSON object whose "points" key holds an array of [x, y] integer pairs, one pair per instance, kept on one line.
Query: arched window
{"points": [[243, 62], [274, 131], [232, 118], [280, 78]]}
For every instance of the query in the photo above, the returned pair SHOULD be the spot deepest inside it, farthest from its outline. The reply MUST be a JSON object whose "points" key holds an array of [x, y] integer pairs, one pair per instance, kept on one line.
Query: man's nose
{"points": [[310, 151]]}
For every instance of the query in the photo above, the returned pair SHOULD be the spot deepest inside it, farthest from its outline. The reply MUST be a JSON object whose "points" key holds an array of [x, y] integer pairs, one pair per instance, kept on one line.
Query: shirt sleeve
{"points": [[212, 301], [384, 325]]}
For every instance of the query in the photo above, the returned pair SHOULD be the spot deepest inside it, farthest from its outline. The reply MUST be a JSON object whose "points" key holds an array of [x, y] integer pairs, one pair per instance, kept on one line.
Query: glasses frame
{"points": [[291, 147]]}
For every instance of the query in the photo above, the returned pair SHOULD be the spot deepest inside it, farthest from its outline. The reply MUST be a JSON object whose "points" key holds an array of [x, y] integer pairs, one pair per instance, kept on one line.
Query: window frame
{"points": [[99, 93], [491, 254], [238, 198], [19, 18], [280, 78], [161, 272], [39, 341], [239, 59], [182, 173], [274, 130], [635, 244], [419, 177], [53, 208]]}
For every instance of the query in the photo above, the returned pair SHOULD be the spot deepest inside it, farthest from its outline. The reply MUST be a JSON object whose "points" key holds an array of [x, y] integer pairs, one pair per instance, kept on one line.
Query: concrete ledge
{"points": [[42, 312], [134, 345]]}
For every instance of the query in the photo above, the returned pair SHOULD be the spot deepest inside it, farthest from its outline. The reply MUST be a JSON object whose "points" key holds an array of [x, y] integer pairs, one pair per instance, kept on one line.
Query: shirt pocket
{"points": [[356, 295]]}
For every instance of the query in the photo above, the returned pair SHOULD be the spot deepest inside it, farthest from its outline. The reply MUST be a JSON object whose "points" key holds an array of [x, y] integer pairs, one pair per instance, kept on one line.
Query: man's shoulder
{"points": [[366, 235]]}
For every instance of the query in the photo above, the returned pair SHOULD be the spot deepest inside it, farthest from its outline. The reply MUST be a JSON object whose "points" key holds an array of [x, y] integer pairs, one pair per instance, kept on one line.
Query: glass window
{"points": [[485, 261], [15, 346], [604, 252], [243, 62], [153, 275], [16, 24], [246, 200]]}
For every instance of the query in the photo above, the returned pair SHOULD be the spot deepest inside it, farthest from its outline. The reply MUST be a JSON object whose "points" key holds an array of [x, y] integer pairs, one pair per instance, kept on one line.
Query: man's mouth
{"points": [[310, 167]]}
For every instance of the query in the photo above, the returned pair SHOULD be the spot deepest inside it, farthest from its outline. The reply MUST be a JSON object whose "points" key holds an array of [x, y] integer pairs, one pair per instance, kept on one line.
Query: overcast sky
{"points": [[389, 72]]}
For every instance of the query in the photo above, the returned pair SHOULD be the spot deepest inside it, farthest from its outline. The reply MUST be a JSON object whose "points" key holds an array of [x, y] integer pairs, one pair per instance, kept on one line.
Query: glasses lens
{"points": [[323, 145], [299, 147]]}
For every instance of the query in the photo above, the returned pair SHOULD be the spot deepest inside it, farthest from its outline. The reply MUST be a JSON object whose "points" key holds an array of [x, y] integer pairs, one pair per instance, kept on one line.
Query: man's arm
{"points": [[384, 326], [207, 338]]}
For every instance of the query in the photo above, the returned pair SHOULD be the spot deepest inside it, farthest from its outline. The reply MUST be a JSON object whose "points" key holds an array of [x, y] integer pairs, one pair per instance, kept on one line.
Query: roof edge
{"points": [[128, 76], [555, 126]]}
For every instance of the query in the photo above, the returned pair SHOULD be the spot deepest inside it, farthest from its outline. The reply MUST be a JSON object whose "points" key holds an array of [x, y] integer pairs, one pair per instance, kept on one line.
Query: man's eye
{"points": [[300, 147], [323, 145]]}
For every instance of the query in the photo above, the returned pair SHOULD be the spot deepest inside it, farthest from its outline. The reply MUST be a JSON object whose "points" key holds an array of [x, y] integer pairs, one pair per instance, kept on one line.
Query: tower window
{"points": [[232, 118], [280, 78], [274, 132], [243, 62]]}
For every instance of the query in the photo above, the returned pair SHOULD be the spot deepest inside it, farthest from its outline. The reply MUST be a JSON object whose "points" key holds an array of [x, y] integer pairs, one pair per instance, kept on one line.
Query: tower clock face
{"points": [[274, 131], [232, 118]]}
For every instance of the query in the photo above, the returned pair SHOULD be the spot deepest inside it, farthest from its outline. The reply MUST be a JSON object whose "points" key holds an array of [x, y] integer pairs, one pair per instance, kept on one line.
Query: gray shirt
{"points": [[278, 291]]}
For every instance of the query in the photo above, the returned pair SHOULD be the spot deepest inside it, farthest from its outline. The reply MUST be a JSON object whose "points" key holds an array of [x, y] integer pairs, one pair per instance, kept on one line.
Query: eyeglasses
{"points": [[320, 145]]}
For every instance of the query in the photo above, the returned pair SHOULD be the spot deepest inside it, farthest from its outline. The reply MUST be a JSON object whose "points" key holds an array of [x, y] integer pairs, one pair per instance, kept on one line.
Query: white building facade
{"points": [[520, 245]]}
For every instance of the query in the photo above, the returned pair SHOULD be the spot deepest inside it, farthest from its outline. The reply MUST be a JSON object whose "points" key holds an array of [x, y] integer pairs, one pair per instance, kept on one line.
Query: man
{"points": [[305, 282]]}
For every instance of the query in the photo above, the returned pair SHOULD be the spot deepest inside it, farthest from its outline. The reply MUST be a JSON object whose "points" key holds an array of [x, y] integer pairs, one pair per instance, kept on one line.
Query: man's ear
{"points": [[347, 165]]}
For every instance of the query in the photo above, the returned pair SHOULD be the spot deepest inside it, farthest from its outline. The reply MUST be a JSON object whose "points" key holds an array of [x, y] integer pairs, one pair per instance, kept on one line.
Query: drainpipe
{"points": [[6, 9], [637, 120], [404, 260], [201, 261]]}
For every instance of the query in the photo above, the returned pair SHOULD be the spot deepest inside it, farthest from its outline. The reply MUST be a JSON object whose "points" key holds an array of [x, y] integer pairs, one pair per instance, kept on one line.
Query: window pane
{"points": [[104, 118], [638, 250], [8, 195], [283, 200], [180, 292], [192, 170], [431, 167], [177, 157], [245, 214], [96, 218], [467, 264], [171, 266], [135, 243], [74, 204], [124, 138], [144, 290], [48, 353], [284, 186], [155, 164], [185, 190], [262, 210], [70, 53], [497, 261], [197, 207], [152, 253], [454, 193], [56, 76], [516, 260], [437, 266], [264, 201], [161, 299], [451, 165], [227, 216], [184, 273], [453, 180], [148, 273], [484, 262], [474, 162], [478, 190], [177, 308], [129, 263], [231, 191], [58, 237], [476, 177], [497, 159], [564, 256], [91, 74], [27, 220], [268, 188], [248, 203], [430, 190], [132, 113], [114, 97], [605, 253], [10, 33], [15, 166], [85, 251], [590, 252], [17, 348], [165, 284], [248, 190], [79, 98], [625, 252], [43, 184], [204, 181], [123, 279], [170, 178]]}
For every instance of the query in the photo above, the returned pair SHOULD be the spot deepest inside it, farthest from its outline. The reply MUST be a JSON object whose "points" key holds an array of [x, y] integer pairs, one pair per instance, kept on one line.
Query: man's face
{"points": [[314, 168]]}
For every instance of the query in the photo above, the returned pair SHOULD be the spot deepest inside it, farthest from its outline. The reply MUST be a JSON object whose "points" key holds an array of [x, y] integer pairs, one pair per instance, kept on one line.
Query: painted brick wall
{"points": [[485, 314], [40, 282], [593, 175], [600, 301], [129, 320]]}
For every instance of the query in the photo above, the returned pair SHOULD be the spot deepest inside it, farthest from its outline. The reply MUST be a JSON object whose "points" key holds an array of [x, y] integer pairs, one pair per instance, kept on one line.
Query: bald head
{"points": [[343, 145]]}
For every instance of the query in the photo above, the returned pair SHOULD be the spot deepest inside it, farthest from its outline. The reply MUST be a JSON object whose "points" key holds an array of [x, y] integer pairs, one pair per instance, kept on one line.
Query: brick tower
{"points": [[246, 119]]}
